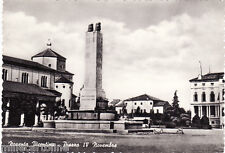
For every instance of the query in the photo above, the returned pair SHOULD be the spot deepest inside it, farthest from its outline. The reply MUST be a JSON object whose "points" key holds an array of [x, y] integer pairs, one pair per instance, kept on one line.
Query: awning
{"points": [[58, 94], [12, 89]]}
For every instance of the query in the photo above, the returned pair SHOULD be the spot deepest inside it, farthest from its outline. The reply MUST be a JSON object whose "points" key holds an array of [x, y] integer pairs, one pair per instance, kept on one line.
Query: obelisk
{"points": [[92, 92]]}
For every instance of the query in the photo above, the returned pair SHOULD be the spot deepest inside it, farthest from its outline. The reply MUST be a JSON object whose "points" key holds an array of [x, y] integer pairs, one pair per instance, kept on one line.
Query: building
{"points": [[31, 88], [207, 97], [143, 103], [114, 102]]}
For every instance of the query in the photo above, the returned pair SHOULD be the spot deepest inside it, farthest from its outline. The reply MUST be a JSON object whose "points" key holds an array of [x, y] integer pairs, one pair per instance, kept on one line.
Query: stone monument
{"points": [[94, 113], [92, 95]]}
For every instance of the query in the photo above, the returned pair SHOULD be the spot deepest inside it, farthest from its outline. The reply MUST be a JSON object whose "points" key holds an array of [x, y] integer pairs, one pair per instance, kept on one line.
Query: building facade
{"points": [[207, 97], [30, 87], [143, 103]]}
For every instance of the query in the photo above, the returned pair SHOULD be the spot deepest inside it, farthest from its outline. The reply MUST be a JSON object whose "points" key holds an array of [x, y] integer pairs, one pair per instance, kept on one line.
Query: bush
{"points": [[204, 121], [158, 122], [170, 125], [196, 121], [188, 123]]}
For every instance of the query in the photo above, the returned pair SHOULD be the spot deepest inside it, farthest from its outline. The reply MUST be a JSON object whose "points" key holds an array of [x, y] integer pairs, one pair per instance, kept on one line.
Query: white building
{"points": [[144, 102], [28, 85], [207, 97]]}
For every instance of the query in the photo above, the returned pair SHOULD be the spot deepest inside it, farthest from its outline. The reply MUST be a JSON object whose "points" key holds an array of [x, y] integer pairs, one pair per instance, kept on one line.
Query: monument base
{"points": [[95, 125], [91, 115]]}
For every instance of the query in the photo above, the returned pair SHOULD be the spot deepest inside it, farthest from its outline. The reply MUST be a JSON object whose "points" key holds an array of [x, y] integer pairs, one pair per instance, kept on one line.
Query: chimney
{"points": [[98, 26], [90, 28], [49, 44]]}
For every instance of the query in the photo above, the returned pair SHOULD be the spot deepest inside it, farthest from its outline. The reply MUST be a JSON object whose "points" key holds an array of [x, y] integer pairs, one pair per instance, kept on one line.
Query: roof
{"points": [[49, 53], [29, 64], [209, 77], [143, 97], [160, 103], [63, 79], [114, 102], [74, 96], [32, 89], [120, 104], [25, 63], [58, 94]]}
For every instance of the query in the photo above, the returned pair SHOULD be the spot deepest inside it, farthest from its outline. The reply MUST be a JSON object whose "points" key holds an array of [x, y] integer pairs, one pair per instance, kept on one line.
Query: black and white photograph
{"points": [[113, 76]]}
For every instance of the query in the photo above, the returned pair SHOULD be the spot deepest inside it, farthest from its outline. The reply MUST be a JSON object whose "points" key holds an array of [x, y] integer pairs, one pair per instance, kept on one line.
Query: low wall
{"points": [[107, 116], [83, 116], [123, 125], [49, 123], [88, 124], [82, 124], [91, 115]]}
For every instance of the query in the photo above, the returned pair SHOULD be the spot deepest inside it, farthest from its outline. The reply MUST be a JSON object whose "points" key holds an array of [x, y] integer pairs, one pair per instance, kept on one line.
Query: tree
{"points": [[124, 110], [175, 100], [138, 111], [196, 121], [204, 122], [152, 115]]}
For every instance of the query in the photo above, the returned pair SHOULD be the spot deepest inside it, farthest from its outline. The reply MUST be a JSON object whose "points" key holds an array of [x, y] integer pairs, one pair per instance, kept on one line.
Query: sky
{"points": [[149, 47]]}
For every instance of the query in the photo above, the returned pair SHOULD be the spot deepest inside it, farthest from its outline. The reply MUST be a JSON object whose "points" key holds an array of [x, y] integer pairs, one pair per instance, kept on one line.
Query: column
{"points": [[199, 111], [216, 111], [219, 110], [49, 117], [22, 119], [36, 116], [36, 120], [7, 115], [209, 112]]}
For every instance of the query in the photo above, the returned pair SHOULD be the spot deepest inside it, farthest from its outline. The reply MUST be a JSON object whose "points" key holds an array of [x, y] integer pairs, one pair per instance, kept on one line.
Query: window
{"points": [[43, 81], [24, 77], [212, 96], [56, 86], [135, 103], [141, 103], [49, 65], [203, 97], [150, 103], [218, 98], [212, 122], [195, 96], [203, 84], [63, 86], [212, 84], [212, 110], [195, 84], [222, 111], [4, 74], [196, 110], [157, 111]]}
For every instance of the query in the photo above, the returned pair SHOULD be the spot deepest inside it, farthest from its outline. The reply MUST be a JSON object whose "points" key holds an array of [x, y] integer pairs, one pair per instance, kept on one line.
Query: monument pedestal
{"points": [[88, 99], [91, 115]]}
